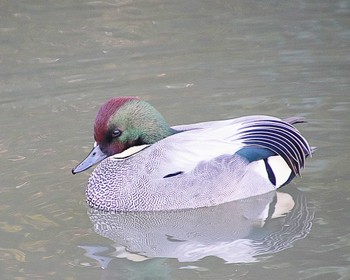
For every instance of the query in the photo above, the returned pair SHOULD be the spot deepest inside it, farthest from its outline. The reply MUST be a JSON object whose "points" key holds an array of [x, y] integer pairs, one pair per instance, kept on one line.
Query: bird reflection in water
{"points": [[237, 232]]}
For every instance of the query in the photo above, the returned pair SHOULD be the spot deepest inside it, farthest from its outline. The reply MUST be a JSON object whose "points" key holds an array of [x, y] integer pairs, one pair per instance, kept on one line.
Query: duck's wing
{"points": [[253, 138], [279, 137]]}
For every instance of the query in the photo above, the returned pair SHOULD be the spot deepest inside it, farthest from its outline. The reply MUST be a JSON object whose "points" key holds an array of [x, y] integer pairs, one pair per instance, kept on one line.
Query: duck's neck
{"points": [[157, 131], [147, 123]]}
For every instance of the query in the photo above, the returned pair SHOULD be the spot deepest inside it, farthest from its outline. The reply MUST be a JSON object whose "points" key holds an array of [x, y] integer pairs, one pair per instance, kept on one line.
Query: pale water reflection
{"points": [[194, 61], [236, 232]]}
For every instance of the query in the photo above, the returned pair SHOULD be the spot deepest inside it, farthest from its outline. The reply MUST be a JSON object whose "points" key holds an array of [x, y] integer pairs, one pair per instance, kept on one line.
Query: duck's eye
{"points": [[116, 133]]}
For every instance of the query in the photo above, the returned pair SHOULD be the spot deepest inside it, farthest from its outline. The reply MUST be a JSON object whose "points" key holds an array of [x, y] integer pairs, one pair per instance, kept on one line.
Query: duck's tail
{"points": [[279, 137], [295, 120]]}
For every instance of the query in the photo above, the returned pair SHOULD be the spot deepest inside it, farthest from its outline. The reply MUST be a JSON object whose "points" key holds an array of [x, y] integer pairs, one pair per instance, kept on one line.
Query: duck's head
{"points": [[121, 123]]}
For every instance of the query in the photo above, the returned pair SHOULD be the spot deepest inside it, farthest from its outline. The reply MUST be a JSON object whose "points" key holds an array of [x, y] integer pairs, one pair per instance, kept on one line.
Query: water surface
{"points": [[194, 61]]}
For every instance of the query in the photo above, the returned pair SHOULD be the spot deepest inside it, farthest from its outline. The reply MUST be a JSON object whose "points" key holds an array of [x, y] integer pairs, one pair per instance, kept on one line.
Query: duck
{"points": [[144, 164]]}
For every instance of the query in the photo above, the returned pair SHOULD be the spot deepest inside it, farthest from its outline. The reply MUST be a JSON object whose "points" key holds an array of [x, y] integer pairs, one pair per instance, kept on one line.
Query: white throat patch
{"points": [[129, 152]]}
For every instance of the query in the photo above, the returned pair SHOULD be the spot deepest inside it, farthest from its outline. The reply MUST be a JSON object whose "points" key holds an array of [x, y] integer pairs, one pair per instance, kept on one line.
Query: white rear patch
{"points": [[280, 168]]}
